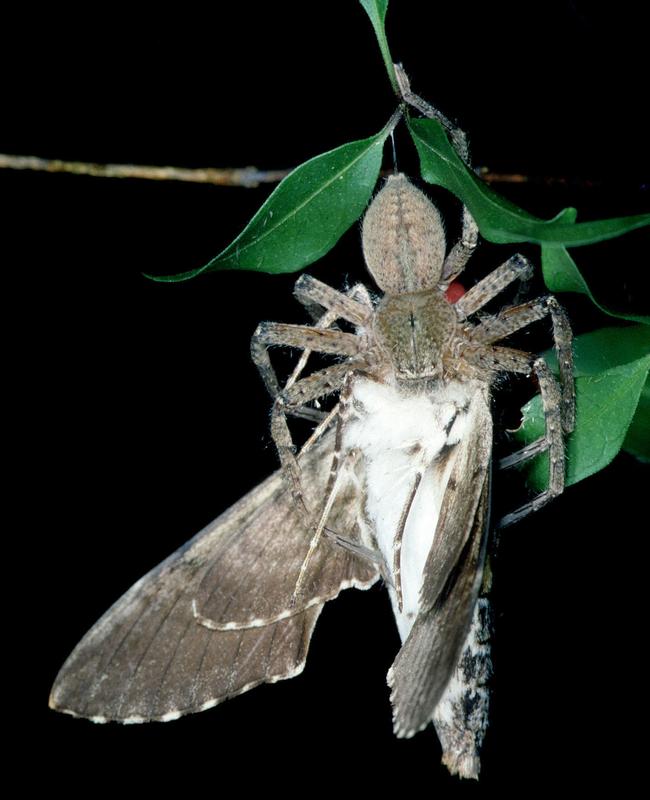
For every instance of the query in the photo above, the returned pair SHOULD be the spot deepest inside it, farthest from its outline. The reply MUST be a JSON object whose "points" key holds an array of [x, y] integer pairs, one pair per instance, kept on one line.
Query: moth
{"points": [[393, 484]]}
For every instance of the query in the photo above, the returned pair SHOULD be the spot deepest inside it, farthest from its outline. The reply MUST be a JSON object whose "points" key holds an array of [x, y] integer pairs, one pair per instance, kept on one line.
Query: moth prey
{"points": [[394, 482]]}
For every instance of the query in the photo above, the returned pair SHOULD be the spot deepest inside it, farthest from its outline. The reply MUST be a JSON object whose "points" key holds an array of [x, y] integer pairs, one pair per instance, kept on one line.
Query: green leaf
{"points": [[376, 10], [306, 214], [561, 274], [637, 440], [500, 220], [611, 367], [605, 349]]}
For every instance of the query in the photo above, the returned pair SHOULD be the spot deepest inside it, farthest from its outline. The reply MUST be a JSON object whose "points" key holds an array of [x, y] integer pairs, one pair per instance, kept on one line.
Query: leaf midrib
{"points": [[294, 211], [487, 195]]}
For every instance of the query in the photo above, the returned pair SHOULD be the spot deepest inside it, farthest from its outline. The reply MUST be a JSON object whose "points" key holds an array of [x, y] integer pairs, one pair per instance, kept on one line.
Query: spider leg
{"points": [[462, 251], [529, 451], [458, 137], [298, 394], [310, 292], [508, 360], [513, 319], [323, 382], [515, 268], [334, 312], [318, 384], [322, 340]]}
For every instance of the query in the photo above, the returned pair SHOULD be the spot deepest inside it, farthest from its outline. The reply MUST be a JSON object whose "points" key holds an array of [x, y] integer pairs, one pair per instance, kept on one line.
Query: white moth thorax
{"points": [[401, 434]]}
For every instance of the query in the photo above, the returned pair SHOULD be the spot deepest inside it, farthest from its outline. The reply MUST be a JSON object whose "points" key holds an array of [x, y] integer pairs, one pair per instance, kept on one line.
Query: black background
{"points": [[143, 417]]}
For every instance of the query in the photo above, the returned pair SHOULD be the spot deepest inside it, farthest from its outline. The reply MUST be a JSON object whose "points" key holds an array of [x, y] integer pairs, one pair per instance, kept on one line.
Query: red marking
{"points": [[454, 291]]}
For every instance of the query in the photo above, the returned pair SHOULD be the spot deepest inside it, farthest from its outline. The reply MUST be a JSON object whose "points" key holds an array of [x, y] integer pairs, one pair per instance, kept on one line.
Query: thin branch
{"points": [[546, 180], [248, 177]]}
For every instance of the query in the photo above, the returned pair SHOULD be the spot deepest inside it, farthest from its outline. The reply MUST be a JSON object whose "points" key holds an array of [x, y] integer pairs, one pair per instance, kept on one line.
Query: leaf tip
{"points": [[177, 278]]}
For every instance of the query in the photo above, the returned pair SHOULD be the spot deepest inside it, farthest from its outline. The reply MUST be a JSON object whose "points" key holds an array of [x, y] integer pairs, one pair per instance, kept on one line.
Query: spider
{"points": [[414, 338]]}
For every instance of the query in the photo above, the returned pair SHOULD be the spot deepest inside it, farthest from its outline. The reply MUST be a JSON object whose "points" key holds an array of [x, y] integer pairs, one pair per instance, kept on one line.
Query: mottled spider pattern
{"points": [[414, 337]]}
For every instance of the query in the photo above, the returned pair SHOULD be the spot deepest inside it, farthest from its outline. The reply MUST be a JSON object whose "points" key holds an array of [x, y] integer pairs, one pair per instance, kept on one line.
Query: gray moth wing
{"points": [[451, 582], [214, 619]]}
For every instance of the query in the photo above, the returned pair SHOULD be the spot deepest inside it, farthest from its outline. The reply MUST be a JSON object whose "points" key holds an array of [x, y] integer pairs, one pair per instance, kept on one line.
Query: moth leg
{"points": [[515, 268], [337, 472], [331, 493], [333, 483], [342, 412], [462, 251], [397, 541], [513, 319], [318, 384], [508, 360]]}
